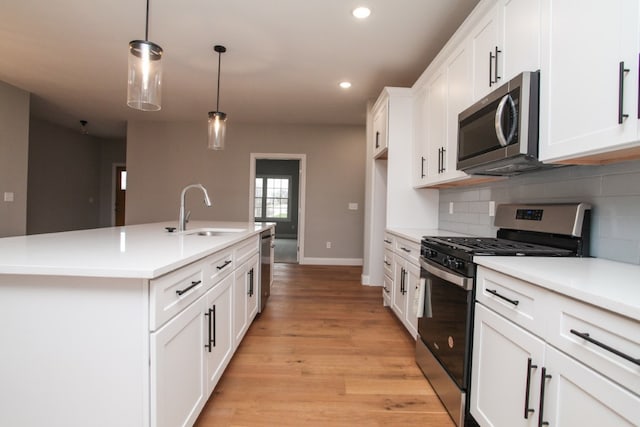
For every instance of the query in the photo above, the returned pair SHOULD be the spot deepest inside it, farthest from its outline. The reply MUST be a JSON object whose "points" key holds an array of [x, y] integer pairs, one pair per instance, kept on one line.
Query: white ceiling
{"points": [[283, 64]]}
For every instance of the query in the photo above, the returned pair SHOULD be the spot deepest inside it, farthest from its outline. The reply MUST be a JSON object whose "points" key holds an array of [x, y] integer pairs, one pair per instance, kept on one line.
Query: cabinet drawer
{"points": [[244, 250], [609, 337], [219, 265], [388, 241], [388, 263], [387, 287], [174, 291], [517, 300], [408, 250]]}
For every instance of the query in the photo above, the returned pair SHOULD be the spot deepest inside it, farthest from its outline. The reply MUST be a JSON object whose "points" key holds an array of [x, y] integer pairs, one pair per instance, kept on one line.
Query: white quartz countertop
{"points": [[416, 234], [608, 284], [135, 251]]}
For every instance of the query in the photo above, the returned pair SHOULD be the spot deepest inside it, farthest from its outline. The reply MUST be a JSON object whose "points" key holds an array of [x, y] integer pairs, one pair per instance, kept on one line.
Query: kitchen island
{"points": [[126, 326]]}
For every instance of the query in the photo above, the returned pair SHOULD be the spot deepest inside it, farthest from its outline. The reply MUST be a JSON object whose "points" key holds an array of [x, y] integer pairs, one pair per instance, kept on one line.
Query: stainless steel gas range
{"points": [[445, 329]]}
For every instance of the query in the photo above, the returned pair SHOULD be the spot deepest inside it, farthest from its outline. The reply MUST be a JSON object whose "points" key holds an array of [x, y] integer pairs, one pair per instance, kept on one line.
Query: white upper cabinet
{"points": [[380, 121], [505, 42], [419, 138], [589, 78]]}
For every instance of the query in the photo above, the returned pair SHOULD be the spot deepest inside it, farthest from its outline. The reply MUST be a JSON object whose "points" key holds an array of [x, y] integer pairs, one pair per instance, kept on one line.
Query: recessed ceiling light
{"points": [[361, 12], [345, 85]]}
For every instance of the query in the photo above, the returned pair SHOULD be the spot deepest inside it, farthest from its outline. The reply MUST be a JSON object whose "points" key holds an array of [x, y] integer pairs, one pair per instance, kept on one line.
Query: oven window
{"points": [[447, 331]]}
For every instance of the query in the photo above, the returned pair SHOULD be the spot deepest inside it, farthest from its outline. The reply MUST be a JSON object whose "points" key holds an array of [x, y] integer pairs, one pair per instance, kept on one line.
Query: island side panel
{"points": [[74, 351]]}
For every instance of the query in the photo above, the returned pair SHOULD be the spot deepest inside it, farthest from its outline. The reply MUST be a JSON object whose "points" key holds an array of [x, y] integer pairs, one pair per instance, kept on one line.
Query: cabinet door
{"points": [[178, 368], [240, 305], [578, 396], [412, 285], [580, 84], [380, 136], [520, 37], [484, 44], [420, 146], [253, 288], [399, 298], [436, 123], [218, 331], [504, 381]]}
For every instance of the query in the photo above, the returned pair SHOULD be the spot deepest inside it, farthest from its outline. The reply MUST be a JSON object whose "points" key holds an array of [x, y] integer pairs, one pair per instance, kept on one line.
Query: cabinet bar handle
{"points": [[528, 410], [422, 175], [543, 379], [251, 282], [587, 337], [213, 317], [388, 241], [496, 59], [208, 345], [490, 68], [387, 263], [444, 168], [220, 267], [509, 300], [378, 139], [621, 72], [385, 289], [402, 280], [405, 249], [188, 288]]}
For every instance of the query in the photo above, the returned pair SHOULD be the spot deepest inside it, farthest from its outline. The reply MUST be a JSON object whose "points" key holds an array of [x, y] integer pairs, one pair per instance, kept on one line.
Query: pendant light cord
{"points": [[218, 96], [146, 27]]}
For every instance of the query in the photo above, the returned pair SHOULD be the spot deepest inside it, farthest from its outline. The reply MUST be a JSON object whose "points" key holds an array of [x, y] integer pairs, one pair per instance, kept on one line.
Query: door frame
{"points": [[114, 179], [302, 158]]}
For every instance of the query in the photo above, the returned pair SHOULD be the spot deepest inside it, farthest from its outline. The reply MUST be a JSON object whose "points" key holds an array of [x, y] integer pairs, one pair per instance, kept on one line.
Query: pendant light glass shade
{"points": [[217, 130], [217, 119], [145, 76]]}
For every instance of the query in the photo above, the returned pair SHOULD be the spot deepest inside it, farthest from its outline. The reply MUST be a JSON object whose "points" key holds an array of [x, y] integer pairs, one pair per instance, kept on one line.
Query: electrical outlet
{"points": [[353, 206], [492, 208], [328, 245], [8, 196]]}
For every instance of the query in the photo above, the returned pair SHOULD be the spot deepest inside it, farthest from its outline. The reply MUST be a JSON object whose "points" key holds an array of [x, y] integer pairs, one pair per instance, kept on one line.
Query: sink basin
{"points": [[213, 231]]}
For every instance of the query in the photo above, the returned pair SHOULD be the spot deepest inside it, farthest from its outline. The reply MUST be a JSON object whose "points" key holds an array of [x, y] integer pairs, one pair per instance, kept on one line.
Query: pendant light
{"points": [[145, 73], [217, 119]]}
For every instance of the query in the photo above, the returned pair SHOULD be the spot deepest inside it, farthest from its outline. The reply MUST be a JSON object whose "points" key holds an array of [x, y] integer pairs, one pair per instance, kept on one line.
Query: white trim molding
{"points": [[331, 261]]}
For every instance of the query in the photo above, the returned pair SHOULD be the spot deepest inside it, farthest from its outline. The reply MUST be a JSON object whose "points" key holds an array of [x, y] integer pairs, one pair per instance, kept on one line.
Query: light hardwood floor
{"points": [[324, 353]]}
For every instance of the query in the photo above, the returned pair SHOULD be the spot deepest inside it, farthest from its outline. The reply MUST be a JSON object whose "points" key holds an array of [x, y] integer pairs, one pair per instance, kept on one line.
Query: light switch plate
{"points": [[8, 196], [353, 206]]}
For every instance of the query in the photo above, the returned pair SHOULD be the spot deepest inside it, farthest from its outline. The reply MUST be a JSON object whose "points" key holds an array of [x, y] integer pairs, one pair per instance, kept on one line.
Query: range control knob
{"points": [[459, 265], [432, 254]]}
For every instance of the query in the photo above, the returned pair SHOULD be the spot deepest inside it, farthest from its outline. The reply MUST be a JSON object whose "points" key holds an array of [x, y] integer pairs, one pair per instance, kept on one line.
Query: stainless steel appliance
{"points": [[266, 262], [498, 135], [443, 347]]}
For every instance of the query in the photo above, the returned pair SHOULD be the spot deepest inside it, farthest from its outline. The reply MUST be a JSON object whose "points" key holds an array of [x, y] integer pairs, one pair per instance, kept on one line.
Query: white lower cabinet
{"points": [[219, 331], [405, 283], [245, 291], [178, 371], [520, 378]]}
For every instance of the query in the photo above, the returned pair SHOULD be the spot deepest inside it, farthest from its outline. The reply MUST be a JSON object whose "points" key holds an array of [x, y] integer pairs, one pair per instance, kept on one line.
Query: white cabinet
{"points": [[219, 331], [505, 42], [589, 103], [177, 368], [523, 377], [245, 299], [507, 361], [380, 122], [405, 282]]}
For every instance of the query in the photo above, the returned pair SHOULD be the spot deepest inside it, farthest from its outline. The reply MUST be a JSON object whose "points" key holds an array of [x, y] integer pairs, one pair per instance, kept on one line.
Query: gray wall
{"points": [[68, 189], [613, 190], [164, 157], [14, 149]]}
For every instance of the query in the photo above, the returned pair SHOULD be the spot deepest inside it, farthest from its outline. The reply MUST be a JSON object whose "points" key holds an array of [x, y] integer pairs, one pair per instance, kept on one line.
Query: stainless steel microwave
{"points": [[498, 135]]}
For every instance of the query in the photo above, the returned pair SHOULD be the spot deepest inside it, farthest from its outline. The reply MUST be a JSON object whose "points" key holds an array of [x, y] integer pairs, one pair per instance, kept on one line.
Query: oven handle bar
{"points": [[465, 283]]}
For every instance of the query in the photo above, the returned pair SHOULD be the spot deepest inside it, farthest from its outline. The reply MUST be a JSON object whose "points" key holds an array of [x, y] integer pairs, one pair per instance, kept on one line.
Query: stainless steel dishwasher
{"points": [[266, 263]]}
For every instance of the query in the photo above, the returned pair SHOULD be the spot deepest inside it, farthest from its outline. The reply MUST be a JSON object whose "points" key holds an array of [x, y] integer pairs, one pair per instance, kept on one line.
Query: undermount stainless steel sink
{"points": [[214, 231]]}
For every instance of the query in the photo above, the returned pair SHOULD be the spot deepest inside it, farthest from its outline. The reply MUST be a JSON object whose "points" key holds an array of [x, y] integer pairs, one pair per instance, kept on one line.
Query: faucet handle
{"points": [[187, 216]]}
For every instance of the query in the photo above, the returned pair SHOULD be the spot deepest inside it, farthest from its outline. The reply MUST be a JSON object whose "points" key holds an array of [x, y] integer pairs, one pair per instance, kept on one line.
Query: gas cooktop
{"points": [[491, 246]]}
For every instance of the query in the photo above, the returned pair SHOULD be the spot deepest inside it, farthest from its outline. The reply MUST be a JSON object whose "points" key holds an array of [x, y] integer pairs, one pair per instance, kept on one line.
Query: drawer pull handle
{"points": [[387, 263], [509, 300], [385, 289], [388, 241], [405, 249], [528, 410], [188, 288], [587, 337], [220, 267]]}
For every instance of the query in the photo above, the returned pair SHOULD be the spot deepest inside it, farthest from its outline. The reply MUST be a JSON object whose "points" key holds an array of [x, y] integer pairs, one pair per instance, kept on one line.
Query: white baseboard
{"points": [[331, 261]]}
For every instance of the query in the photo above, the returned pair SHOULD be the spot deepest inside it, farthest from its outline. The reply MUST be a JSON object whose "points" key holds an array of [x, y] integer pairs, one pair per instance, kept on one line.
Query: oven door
{"points": [[445, 327]]}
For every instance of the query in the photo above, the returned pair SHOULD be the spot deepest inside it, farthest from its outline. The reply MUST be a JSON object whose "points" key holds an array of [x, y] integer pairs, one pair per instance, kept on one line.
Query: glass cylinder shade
{"points": [[217, 129], [145, 76]]}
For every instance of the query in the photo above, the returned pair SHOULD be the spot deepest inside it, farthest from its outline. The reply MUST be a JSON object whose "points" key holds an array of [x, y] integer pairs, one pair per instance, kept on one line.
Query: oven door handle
{"points": [[465, 283]]}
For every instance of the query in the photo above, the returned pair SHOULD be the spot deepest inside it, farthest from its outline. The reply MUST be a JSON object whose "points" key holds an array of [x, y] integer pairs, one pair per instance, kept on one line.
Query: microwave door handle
{"points": [[502, 139]]}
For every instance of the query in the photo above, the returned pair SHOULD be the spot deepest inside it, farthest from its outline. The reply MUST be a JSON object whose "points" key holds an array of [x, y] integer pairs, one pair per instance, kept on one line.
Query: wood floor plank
{"points": [[325, 352]]}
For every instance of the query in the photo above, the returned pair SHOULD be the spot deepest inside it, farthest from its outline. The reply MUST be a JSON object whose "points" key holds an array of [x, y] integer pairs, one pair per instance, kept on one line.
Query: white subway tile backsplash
{"points": [[613, 191]]}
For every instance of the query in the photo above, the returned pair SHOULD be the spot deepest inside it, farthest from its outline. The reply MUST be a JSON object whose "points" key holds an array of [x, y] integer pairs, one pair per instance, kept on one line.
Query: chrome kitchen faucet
{"points": [[182, 219]]}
